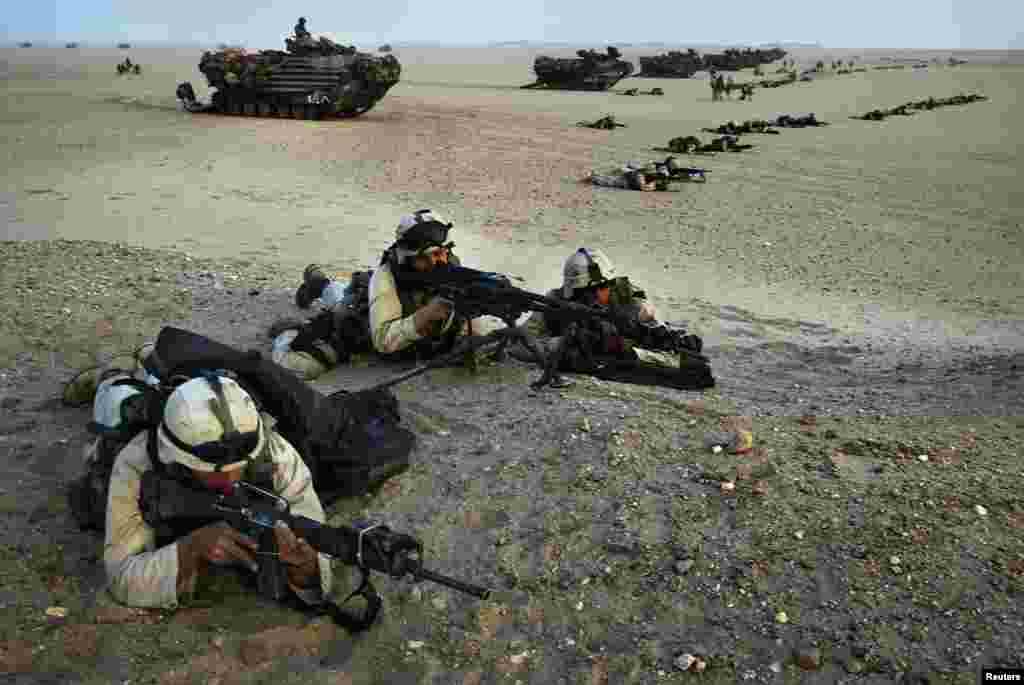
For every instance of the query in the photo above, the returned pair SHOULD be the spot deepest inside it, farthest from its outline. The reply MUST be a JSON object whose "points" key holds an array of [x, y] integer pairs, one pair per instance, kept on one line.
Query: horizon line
{"points": [[512, 43]]}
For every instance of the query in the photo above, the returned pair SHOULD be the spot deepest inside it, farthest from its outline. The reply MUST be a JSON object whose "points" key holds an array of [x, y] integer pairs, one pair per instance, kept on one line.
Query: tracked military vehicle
{"points": [[734, 60], [310, 80], [675, 64], [591, 71]]}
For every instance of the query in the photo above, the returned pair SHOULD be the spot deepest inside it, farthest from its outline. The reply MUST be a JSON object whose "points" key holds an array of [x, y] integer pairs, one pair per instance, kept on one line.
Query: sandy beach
{"points": [[911, 219]]}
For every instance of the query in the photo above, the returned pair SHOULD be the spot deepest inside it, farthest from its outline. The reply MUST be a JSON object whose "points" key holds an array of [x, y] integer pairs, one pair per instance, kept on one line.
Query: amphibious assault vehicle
{"points": [[734, 60], [311, 80], [673, 65], [591, 71], [677, 64]]}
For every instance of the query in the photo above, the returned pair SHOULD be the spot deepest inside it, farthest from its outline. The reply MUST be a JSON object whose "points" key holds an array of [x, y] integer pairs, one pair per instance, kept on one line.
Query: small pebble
{"points": [[808, 658], [799, 535], [982, 511], [781, 617]]}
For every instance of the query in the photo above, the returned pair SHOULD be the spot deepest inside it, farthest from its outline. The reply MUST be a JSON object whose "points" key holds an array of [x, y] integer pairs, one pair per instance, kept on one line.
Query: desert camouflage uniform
{"points": [[537, 327], [392, 331], [142, 575], [304, 364]]}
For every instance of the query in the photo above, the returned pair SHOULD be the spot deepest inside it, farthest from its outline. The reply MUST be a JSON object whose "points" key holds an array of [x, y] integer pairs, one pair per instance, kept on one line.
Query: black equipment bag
{"points": [[351, 442]]}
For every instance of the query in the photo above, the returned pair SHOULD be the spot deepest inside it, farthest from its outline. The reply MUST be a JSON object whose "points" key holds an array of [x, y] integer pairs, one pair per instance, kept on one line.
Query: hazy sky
{"points": [[978, 24]]}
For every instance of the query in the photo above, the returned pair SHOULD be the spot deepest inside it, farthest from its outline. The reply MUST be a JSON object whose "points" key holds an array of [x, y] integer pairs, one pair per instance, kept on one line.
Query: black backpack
{"points": [[351, 442]]}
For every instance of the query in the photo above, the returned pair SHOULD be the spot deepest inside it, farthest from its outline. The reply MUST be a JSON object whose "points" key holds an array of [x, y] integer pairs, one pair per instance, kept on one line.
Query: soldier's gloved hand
{"points": [[431, 317], [299, 557], [440, 309], [218, 543]]}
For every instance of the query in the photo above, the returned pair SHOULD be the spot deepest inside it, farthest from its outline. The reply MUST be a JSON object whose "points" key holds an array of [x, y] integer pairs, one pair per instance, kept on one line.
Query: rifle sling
{"points": [[346, 618]]}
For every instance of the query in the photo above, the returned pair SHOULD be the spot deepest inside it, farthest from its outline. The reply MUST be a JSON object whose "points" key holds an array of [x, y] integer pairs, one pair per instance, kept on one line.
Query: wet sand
{"points": [[912, 224]]}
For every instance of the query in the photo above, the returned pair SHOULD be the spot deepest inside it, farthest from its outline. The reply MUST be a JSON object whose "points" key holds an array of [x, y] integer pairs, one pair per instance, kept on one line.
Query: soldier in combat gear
{"points": [[211, 434]]}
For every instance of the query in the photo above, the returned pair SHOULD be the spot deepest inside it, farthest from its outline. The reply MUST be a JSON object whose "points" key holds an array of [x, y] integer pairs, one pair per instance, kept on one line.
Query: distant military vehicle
{"points": [[734, 60], [313, 79], [384, 48], [678, 64], [591, 70], [71, 45], [124, 46], [26, 44], [673, 65]]}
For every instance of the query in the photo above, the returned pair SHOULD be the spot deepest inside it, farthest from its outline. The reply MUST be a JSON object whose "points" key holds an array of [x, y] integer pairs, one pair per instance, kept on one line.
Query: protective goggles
{"points": [[426, 233], [231, 448]]}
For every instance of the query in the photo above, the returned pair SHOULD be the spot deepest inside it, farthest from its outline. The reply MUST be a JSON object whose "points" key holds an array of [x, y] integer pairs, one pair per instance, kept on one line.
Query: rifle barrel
{"points": [[453, 583]]}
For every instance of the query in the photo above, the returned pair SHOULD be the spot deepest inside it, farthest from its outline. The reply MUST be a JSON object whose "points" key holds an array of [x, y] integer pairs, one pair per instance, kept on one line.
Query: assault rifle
{"points": [[254, 511], [476, 293]]}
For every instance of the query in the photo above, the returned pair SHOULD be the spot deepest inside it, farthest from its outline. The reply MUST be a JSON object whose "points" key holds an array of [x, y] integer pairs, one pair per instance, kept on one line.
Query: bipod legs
{"points": [[551, 375], [500, 339]]}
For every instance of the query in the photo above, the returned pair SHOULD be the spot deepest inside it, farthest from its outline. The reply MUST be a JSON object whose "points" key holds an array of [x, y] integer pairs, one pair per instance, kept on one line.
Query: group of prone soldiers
{"points": [[659, 175], [637, 91], [212, 434], [400, 323], [605, 123], [929, 104], [688, 145], [730, 131], [762, 126]]}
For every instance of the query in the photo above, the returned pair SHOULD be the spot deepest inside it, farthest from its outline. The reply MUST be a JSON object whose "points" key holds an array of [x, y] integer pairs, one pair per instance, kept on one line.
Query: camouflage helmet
{"points": [[586, 268], [210, 424], [420, 217]]}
